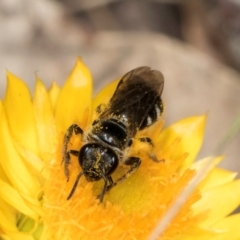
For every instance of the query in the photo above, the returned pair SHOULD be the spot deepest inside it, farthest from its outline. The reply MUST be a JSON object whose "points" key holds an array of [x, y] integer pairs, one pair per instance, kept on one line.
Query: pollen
{"points": [[34, 188], [129, 211]]}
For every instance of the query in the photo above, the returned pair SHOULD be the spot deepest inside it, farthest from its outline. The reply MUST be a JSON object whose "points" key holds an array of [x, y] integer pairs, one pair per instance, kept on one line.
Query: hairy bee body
{"points": [[135, 105]]}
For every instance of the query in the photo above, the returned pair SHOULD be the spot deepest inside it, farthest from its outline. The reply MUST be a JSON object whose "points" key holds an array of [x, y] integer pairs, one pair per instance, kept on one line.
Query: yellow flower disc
{"points": [[34, 188]]}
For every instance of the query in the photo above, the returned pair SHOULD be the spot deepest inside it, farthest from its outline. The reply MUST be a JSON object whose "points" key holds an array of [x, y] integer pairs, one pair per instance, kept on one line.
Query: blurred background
{"points": [[194, 43]]}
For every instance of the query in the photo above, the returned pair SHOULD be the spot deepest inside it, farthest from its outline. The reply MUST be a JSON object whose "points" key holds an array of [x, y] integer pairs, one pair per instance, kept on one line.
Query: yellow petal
{"points": [[11, 196], [218, 202], [229, 227], [190, 131], [28, 225], [204, 166], [104, 96], [202, 234], [34, 204], [8, 220], [75, 97], [12, 162], [8, 216], [4, 237], [3, 175], [12, 235], [216, 178], [45, 122], [54, 92], [19, 111], [34, 164]]}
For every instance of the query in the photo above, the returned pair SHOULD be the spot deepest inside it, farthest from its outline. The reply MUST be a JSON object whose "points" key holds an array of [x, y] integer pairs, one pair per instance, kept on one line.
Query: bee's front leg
{"points": [[66, 154]]}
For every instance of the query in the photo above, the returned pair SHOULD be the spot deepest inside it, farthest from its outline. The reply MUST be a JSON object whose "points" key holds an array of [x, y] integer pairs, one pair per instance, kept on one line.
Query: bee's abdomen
{"points": [[153, 114], [112, 132]]}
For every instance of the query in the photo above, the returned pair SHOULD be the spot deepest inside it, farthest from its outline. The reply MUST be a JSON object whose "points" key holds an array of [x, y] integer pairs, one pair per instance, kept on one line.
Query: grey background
{"points": [[194, 43]]}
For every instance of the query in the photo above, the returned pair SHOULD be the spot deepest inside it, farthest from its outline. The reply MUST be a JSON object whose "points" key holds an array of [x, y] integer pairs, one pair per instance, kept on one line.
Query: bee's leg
{"points": [[100, 108], [146, 140], [66, 154], [67, 160], [149, 141], [108, 184], [134, 162]]}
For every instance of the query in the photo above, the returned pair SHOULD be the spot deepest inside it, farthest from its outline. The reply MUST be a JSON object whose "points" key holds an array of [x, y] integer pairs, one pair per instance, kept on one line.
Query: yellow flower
{"points": [[34, 189]]}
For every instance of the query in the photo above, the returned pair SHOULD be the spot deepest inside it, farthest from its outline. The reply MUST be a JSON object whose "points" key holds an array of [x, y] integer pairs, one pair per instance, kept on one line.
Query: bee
{"points": [[135, 105]]}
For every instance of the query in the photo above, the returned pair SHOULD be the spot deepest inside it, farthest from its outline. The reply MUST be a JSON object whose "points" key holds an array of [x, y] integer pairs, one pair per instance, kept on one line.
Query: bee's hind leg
{"points": [[149, 141]]}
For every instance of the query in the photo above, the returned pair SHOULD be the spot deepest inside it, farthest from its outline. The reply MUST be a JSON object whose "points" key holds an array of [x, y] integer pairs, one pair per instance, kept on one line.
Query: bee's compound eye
{"points": [[97, 160]]}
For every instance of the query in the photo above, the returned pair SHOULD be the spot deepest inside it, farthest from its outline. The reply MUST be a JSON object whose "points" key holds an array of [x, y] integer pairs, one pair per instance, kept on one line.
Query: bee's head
{"points": [[97, 161]]}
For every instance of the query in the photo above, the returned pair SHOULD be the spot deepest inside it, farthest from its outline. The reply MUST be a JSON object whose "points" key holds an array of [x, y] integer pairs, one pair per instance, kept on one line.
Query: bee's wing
{"points": [[135, 96]]}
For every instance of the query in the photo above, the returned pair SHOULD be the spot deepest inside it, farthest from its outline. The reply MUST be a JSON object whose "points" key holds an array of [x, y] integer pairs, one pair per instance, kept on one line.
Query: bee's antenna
{"points": [[75, 185]]}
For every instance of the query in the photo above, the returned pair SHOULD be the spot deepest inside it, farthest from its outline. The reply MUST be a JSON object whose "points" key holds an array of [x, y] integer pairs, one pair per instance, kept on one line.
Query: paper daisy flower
{"points": [[34, 189]]}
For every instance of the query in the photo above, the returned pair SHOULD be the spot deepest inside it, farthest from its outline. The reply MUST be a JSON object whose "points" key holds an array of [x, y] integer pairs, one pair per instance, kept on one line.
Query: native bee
{"points": [[135, 105]]}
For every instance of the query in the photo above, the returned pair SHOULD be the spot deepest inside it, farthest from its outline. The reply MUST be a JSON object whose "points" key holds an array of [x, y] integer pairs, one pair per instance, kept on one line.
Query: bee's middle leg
{"points": [[134, 162]]}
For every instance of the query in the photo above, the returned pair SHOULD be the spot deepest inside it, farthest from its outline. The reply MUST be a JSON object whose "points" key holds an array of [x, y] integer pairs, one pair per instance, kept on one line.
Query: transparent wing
{"points": [[137, 99]]}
